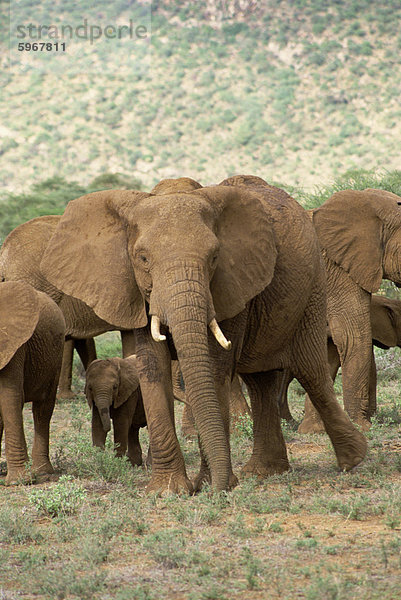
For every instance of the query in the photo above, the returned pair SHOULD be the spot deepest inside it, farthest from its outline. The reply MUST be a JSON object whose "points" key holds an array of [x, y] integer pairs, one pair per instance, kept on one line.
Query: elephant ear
{"points": [[350, 231], [384, 321], [87, 258], [129, 381], [248, 251], [89, 396], [19, 315], [87, 392]]}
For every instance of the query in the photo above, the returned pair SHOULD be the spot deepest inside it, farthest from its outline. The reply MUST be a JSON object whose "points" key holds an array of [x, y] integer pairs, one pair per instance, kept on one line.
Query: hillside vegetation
{"points": [[297, 91]]}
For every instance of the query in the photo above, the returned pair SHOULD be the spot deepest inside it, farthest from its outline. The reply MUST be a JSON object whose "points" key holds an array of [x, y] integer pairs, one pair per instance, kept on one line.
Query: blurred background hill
{"points": [[295, 91]]}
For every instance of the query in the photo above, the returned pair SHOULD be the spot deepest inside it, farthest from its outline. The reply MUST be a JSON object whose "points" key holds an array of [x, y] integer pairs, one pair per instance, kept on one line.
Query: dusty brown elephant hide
{"points": [[360, 236], [385, 318], [31, 348], [113, 393], [243, 255]]}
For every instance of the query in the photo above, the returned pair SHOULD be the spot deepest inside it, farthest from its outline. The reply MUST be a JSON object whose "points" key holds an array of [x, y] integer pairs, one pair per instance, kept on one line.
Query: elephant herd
{"points": [[235, 278]]}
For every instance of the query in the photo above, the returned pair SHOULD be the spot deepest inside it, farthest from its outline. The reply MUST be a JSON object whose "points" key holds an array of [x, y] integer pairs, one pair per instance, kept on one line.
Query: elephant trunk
{"points": [[103, 403], [187, 313]]}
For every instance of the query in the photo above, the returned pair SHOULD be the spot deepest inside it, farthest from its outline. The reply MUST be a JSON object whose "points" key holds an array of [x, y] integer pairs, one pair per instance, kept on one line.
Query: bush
{"points": [[357, 179], [109, 181], [64, 498]]}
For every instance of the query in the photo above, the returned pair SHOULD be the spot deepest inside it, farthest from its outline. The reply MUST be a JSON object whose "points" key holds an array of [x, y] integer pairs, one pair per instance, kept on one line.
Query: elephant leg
{"points": [[98, 433], [188, 428], [310, 367], [348, 313], [127, 343], [134, 446], [372, 387], [42, 410], [284, 410], [65, 380], [11, 405], [238, 404], [269, 455], [154, 371], [86, 351], [1, 431], [120, 429], [312, 423]]}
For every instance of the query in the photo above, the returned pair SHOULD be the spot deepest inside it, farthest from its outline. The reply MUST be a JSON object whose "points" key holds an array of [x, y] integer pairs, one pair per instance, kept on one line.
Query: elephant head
{"points": [[109, 383], [361, 232], [19, 315], [171, 186], [193, 258]]}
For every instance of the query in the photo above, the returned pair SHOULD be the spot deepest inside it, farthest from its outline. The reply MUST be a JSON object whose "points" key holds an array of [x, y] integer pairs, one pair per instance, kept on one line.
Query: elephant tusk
{"points": [[155, 329], [219, 335]]}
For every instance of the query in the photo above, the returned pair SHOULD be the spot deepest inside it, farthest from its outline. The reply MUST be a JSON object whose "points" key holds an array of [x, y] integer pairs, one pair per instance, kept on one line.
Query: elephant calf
{"points": [[112, 390], [32, 330]]}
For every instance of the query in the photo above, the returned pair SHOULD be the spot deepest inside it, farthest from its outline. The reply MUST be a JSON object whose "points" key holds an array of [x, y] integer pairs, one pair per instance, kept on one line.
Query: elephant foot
{"points": [[204, 477], [136, 461], [262, 470], [46, 477], [311, 425], [20, 476], [42, 466], [349, 444], [165, 484]]}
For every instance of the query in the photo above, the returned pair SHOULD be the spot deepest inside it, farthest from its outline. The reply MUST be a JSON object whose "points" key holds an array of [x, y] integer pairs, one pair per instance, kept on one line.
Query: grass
{"points": [[320, 85], [310, 533]]}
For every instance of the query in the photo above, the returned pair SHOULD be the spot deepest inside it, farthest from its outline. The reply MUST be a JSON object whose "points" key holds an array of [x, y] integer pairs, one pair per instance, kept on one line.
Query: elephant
{"points": [[231, 276], [360, 236], [32, 331], [82, 323], [385, 319], [112, 391]]}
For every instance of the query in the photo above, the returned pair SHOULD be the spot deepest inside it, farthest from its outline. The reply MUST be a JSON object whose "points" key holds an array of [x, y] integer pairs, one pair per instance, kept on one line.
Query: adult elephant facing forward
{"points": [[241, 253], [360, 236]]}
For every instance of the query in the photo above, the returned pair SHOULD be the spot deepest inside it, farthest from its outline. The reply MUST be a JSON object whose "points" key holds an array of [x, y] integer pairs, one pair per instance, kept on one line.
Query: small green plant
{"points": [[253, 568], [244, 426], [64, 498], [16, 527], [166, 547], [275, 527]]}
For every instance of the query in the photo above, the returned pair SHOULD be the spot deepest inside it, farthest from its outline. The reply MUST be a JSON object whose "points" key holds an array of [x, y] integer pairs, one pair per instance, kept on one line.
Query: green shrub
{"points": [[64, 498], [16, 527], [109, 181]]}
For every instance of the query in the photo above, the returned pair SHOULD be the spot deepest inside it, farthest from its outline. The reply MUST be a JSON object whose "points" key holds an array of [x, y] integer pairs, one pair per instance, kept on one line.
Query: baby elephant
{"points": [[112, 390]]}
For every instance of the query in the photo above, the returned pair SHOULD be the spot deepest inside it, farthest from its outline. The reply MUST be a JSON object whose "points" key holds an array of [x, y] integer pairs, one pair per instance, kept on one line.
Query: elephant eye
{"points": [[213, 260], [142, 258]]}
